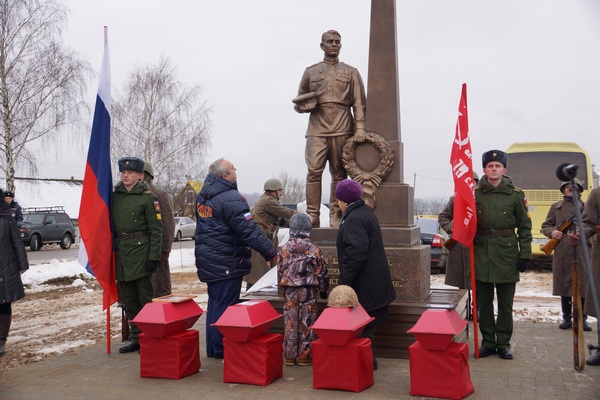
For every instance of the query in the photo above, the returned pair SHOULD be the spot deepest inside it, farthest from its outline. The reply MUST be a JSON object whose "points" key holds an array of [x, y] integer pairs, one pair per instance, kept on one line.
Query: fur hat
{"points": [[348, 191], [131, 164], [342, 296], [300, 225], [494, 155], [8, 194]]}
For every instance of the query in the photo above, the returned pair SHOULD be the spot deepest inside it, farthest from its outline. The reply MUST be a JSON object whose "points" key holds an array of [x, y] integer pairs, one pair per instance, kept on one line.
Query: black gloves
{"points": [[323, 295], [522, 264], [151, 266]]}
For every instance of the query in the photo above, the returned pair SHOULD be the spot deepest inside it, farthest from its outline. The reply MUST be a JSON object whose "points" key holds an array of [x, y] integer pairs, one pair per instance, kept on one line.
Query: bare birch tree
{"points": [[293, 188], [162, 121], [42, 83]]}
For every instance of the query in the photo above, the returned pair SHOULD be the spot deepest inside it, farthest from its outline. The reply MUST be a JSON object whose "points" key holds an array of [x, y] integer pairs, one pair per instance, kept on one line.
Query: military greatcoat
{"points": [[499, 210], [267, 212], [137, 228], [562, 259], [591, 225]]}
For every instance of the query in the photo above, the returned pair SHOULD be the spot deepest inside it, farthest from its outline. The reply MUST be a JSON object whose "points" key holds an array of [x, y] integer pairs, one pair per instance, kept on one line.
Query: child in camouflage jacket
{"points": [[301, 273]]}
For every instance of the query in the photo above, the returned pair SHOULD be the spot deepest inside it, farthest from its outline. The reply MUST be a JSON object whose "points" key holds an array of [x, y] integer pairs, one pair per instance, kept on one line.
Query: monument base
{"points": [[410, 265]]}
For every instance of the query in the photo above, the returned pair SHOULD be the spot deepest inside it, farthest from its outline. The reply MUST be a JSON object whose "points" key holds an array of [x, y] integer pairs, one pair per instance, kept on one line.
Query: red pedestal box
{"points": [[435, 329], [442, 374], [164, 318], [258, 361], [337, 326], [246, 321], [171, 357], [348, 367]]}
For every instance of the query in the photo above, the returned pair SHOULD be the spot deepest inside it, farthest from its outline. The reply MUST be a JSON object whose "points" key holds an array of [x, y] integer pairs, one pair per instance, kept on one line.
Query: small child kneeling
{"points": [[301, 273]]}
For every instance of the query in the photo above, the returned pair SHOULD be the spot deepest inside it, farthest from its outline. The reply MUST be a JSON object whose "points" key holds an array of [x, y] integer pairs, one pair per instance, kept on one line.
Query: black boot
{"points": [[4, 328], [131, 347], [565, 303], [594, 360]]}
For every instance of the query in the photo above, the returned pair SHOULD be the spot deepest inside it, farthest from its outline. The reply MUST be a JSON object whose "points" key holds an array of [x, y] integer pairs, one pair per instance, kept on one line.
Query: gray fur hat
{"points": [[300, 225]]}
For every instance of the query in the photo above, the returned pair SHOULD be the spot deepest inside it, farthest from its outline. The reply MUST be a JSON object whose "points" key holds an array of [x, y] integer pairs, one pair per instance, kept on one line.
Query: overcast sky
{"points": [[531, 67]]}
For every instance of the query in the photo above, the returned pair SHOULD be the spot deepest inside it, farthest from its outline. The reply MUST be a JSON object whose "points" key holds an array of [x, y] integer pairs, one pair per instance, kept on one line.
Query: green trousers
{"points": [[495, 332], [135, 294]]}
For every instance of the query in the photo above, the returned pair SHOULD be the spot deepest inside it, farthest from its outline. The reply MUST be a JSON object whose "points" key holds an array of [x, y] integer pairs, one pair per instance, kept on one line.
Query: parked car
{"points": [[43, 225], [184, 228], [433, 235]]}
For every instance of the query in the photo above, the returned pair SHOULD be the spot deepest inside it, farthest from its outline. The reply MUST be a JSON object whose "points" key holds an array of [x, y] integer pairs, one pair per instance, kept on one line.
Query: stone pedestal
{"points": [[409, 265]]}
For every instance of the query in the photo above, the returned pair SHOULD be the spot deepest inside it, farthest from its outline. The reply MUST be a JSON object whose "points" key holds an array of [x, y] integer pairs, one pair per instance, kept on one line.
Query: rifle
{"points": [[578, 351], [124, 324], [548, 248]]}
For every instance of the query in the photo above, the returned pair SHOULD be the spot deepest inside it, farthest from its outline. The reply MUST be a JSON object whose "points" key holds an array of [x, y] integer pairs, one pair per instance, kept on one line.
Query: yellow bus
{"points": [[532, 166]]}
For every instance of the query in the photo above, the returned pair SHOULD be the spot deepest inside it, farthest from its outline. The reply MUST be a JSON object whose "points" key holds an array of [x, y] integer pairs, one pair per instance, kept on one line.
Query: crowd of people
{"points": [[502, 249]]}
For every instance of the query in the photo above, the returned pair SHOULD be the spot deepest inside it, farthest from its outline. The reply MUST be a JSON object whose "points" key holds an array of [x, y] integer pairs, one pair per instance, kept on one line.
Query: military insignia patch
{"points": [[157, 210], [248, 216]]}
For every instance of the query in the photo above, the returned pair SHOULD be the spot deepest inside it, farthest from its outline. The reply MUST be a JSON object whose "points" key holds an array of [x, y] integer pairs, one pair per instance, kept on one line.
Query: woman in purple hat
{"points": [[362, 260]]}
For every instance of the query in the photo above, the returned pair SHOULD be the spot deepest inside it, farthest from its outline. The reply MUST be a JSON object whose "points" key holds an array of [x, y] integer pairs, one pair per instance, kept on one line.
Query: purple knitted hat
{"points": [[348, 191]]}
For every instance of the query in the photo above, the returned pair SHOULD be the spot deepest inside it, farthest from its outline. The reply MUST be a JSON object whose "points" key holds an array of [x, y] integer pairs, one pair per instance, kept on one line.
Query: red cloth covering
{"points": [[172, 357], [348, 367], [442, 374], [258, 361]]}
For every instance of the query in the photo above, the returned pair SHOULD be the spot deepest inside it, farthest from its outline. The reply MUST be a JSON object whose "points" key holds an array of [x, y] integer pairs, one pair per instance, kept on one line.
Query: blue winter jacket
{"points": [[226, 232]]}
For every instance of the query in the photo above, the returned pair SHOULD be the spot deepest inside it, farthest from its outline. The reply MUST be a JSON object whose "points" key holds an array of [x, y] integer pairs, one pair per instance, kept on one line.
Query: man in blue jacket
{"points": [[225, 235]]}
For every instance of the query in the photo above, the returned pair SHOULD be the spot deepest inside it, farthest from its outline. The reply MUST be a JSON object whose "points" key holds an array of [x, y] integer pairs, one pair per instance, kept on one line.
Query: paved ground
{"points": [[542, 369]]}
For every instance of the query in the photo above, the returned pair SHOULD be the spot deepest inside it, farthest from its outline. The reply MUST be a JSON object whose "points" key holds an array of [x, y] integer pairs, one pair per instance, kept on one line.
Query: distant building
{"points": [[184, 204]]}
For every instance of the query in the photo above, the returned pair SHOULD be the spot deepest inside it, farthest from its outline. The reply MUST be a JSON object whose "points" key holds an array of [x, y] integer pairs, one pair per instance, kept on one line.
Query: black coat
{"points": [[362, 260], [13, 258]]}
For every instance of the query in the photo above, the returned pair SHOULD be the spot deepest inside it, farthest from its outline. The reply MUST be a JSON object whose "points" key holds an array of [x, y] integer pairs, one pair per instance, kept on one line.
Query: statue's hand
{"points": [[360, 135]]}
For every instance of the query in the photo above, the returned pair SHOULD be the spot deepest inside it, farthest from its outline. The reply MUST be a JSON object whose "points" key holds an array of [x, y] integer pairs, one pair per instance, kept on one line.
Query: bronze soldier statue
{"points": [[334, 95]]}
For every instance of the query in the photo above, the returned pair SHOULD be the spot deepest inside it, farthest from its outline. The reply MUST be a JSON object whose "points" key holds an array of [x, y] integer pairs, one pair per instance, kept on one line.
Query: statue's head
{"points": [[331, 43]]}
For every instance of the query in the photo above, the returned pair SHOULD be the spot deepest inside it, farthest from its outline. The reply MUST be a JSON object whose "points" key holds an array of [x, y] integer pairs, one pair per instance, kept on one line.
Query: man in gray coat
{"points": [[161, 280]]}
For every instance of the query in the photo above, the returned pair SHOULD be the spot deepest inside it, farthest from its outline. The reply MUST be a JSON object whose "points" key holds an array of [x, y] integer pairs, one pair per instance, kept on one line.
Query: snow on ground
{"points": [[533, 299]]}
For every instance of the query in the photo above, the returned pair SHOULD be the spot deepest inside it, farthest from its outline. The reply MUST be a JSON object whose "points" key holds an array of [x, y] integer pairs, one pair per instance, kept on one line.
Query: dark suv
{"points": [[42, 225]]}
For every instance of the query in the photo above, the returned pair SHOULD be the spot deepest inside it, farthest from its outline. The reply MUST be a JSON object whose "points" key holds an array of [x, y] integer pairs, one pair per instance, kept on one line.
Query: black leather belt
{"points": [[496, 233], [131, 235]]}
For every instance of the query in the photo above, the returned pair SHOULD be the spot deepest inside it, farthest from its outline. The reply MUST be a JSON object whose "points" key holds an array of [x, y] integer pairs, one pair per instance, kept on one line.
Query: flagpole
{"points": [[474, 300], [104, 290], [464, 216]]}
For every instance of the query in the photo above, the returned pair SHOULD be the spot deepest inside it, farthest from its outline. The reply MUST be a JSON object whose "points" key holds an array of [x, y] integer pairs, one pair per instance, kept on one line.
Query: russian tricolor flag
{"points": [[96, 249]]}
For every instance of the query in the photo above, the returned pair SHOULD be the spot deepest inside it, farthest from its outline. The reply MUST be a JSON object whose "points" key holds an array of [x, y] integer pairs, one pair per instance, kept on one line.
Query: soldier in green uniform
{"points": [[137, 227], [269, 215], [500, 251]]}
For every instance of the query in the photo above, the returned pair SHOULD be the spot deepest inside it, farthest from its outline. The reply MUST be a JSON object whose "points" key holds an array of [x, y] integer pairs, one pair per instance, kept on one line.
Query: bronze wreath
{"points": [[386, 155]]}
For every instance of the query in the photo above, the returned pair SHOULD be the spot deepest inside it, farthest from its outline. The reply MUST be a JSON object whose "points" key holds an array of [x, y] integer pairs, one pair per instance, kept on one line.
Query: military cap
{"points": [[131, 164], [494, 155], [272, 185], [148, 169], [577, 182], [306, 102], [9, 194]]}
